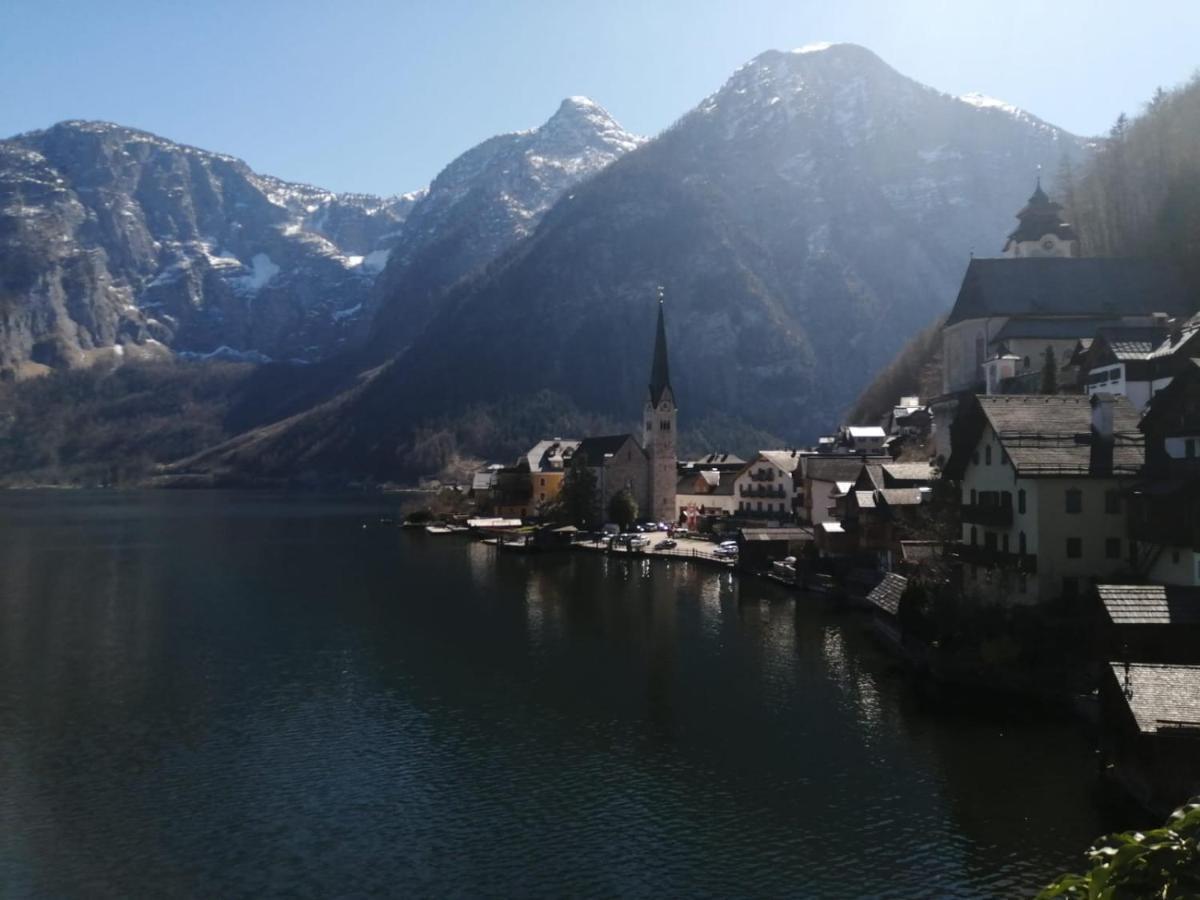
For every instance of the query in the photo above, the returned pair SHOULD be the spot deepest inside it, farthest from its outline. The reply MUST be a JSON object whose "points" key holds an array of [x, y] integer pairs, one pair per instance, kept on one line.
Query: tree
{"points": [[1162, 863], [622, 508], [1049, 371], [577, 497]]}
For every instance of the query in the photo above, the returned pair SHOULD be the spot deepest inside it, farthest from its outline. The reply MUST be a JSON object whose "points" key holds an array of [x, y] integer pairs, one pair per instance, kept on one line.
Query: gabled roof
{"points": [[593, 450], [550, 455], [1162, 698], [1051, 435], [908, 471], [1071, 329], [1055, 286], [1128, 344], [1150, 604], [902, 496], [787, 460], [835, 468], [709, 483]]}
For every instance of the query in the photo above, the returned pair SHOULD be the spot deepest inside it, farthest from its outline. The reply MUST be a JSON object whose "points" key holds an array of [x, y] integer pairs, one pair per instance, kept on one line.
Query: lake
{"points": [[222, 694]]}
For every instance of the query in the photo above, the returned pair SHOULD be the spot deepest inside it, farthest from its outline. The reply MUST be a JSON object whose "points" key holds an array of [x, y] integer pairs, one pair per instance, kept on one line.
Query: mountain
{"points": [[482, 204], [114, 241], [805, 220]]}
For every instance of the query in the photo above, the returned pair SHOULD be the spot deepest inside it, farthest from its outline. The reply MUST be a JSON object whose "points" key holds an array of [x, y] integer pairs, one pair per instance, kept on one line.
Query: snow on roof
{"points": [[862, 431], [815, 47]]}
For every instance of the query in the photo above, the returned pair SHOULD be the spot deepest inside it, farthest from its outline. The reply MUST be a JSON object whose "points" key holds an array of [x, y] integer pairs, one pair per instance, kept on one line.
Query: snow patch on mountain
{"points": [[262, 270]]}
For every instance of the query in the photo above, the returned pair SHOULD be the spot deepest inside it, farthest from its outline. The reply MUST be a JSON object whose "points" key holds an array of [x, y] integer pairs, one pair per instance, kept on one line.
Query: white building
{"points": [[1041, 480]]}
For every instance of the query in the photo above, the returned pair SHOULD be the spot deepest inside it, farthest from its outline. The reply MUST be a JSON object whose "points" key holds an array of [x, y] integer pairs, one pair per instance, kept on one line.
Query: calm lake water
{"points": [[208, 694]]}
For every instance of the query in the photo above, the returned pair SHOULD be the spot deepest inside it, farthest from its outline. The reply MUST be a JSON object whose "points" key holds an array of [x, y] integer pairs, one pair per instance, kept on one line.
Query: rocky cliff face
{"points": [[805, 220], [482, 204], [114, 241]]}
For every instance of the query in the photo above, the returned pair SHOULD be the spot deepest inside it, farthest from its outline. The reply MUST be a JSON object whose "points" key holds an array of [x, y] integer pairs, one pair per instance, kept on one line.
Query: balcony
{"points": [[991, 515], [996, 559]]}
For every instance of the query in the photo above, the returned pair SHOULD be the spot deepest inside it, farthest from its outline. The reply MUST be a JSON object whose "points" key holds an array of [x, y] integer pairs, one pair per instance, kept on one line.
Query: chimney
{"points": [[1101, 462]]}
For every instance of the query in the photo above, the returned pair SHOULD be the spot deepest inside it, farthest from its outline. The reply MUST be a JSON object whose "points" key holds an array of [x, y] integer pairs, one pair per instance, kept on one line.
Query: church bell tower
{"points": [[658, 436], [1041, 231]]}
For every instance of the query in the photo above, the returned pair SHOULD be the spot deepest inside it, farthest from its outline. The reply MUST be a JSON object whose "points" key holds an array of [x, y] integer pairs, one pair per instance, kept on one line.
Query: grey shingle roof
{"points": [[1049, 434], [1161, 697], [865, 499], [1069, 287], [886, 595], [1133, 343], [834, 468], [1078, 328], [909, 471], [901, 496], [594, 449], [1150, 604]]}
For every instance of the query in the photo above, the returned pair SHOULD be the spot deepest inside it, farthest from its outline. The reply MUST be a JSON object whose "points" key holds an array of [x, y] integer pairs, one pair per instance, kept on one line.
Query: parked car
{"points": [[681, 533], [666, 544], [726, 552], [638, 541], [728, 545]]}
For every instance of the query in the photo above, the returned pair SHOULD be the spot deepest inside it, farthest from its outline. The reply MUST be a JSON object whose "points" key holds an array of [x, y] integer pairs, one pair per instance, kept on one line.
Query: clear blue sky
{"points": [[378, 96]]}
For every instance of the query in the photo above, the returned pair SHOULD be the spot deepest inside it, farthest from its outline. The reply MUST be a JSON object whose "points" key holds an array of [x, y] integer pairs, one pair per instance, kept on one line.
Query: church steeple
{"points": [[660, 373], [658, 438], [1042, 231]]}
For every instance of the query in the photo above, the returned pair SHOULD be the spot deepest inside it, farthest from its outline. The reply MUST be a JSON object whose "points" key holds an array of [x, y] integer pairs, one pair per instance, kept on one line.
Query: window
{"points": [[1074, 500], [1112, 502], [1175, 557], [974, 537], [1021, 501], [1112, 548], [987, 455], [1189, 448], [1021, 543], [974, 497], [1074, 548], [989, 540]]}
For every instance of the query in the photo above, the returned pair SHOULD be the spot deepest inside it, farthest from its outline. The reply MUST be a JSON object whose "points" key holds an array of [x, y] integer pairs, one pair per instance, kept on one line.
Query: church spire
{"points": [[660, 376]]}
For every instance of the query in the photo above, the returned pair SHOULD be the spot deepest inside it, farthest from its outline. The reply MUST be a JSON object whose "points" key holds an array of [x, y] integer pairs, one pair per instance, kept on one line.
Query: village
{"points": [[1031, 530]]}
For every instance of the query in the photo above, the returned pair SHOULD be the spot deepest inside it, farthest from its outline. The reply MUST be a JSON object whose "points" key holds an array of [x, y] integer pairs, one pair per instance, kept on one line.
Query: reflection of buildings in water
{"points": [[543, 608], [710, 604], [481, 562], [855, 683]]}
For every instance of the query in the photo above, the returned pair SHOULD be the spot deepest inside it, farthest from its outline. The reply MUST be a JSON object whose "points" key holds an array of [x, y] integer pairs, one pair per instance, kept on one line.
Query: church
{"points": [[647, 469], [1041, 294]]}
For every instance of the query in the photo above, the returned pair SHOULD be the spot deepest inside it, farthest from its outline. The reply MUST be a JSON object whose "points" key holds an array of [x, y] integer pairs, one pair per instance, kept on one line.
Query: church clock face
{"points": [[1048, 244]]}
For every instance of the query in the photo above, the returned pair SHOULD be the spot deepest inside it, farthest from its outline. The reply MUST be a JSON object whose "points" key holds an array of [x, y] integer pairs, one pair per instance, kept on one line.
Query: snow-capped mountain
{"points": [[483, 203], [805, 220], [116, 241]]}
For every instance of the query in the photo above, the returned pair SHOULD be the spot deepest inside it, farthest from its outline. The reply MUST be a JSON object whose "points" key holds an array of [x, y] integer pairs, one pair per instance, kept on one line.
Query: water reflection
{"points": [[215, 694]]}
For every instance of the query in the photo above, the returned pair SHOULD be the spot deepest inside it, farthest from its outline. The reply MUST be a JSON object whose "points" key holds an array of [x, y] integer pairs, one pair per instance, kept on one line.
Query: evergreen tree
{"points": [[622, 509], [1049, 372], [577, 497]]}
